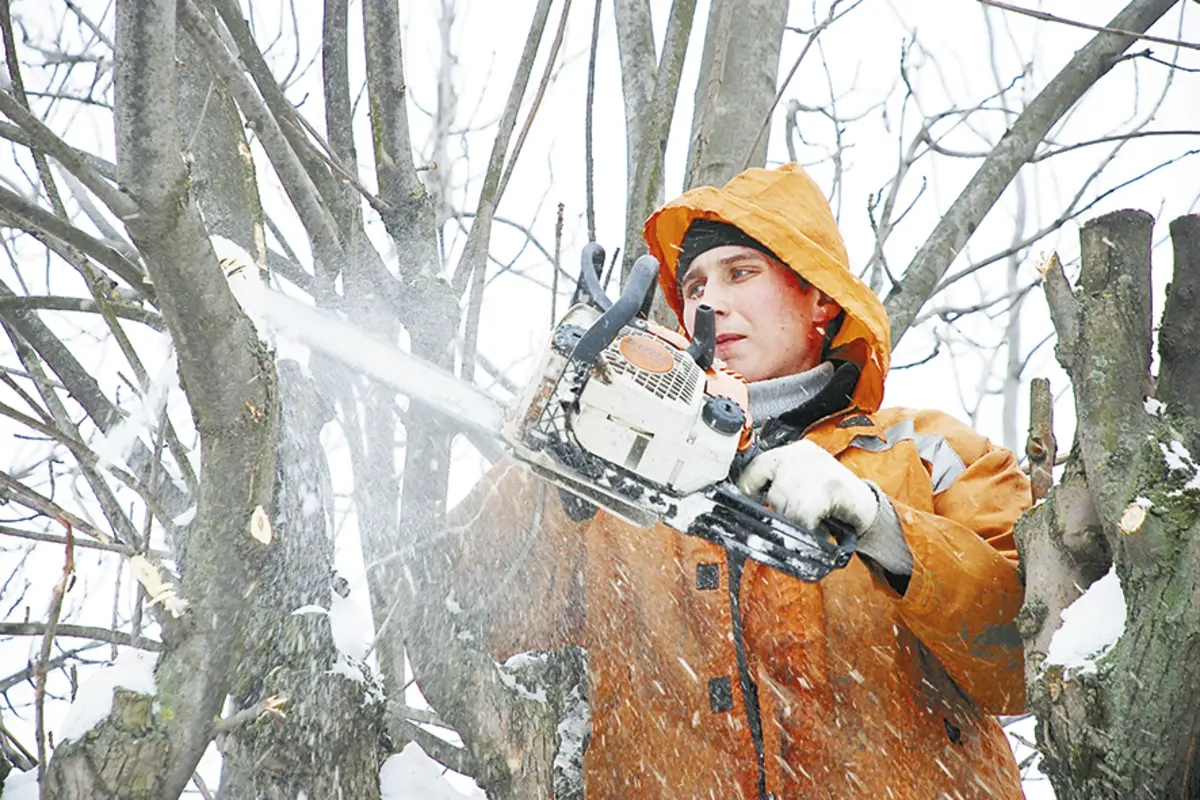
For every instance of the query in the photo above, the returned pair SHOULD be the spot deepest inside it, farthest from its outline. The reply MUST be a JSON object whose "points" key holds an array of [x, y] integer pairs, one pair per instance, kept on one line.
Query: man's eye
{"points": [[742, 272], [693, 290]]}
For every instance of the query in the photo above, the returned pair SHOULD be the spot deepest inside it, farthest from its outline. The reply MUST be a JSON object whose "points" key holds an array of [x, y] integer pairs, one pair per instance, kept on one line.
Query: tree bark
{"points": [[230, 384], [735, 89], [651, 87], [1179, 336], [1129, 728], [329, 737]]}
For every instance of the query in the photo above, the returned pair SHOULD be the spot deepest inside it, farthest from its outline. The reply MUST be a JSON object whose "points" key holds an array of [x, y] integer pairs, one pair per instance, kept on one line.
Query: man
{"points": [[716, 678]]}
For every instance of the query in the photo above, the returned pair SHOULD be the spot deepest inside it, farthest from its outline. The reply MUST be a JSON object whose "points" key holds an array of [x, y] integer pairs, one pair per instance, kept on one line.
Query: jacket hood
{"points": [[785, 210]]}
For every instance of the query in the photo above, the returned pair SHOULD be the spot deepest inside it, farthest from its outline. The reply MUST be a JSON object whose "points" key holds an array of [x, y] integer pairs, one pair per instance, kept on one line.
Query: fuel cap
{"points": [[723, 415]]}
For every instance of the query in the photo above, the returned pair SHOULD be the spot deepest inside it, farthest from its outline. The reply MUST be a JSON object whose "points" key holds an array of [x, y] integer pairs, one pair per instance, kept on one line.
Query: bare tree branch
{"points": [[104, 635], [295, 179], [475, 251], [1042, 15], [1013, 151]]}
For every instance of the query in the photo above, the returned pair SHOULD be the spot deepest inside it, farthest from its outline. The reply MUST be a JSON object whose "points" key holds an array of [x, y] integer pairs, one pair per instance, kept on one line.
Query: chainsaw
{"points": [[622, 413]]}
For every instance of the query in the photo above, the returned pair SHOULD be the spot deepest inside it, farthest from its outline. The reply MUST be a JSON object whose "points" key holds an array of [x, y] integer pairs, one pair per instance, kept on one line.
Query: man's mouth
{"points": [[727, 340]]}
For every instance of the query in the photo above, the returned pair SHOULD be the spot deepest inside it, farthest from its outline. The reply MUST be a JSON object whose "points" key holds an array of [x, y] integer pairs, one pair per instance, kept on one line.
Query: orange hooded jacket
{"points": [[862, 692]]}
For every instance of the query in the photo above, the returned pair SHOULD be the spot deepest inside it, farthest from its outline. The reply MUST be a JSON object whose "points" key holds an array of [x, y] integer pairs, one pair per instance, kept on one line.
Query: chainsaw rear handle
{"points": [[605, 329]]}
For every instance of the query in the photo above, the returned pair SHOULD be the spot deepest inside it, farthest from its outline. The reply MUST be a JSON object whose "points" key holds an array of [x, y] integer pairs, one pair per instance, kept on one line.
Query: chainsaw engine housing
{"points": [[643, 408]]}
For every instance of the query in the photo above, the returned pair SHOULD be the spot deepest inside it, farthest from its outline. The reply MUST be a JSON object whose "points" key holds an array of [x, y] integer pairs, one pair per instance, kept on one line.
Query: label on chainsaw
{"points": [[647, 354]]}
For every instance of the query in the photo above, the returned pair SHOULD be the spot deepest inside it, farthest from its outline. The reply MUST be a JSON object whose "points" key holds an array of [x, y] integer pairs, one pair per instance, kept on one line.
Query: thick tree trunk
{"points": [[1129, 728], [149, 747], [328, 738], [735, 90]]}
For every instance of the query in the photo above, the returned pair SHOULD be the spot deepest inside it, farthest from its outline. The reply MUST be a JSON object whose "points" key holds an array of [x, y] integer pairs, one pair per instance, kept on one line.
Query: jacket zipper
{"points": [[749, 687]]}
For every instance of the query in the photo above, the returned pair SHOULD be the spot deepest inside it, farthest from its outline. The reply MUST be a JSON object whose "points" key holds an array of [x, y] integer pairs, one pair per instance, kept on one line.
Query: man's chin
{"points": [[748, 371]]}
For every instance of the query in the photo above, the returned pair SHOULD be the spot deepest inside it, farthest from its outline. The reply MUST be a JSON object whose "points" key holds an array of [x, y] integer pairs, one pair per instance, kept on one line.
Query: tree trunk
{"points": [[328, 738], [1128, 728], [735, 90], [149, 747]]}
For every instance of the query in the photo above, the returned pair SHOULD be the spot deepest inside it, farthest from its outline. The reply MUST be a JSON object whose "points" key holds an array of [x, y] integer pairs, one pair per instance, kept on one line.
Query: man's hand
{"points": [[806, 484]]}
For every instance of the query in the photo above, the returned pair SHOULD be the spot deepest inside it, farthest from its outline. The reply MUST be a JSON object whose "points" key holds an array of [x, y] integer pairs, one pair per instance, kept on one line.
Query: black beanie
{"points": [[707, 234]]}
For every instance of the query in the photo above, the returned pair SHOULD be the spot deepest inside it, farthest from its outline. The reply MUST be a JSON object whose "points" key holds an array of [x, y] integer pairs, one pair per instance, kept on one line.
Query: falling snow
{"points": [[142, 414]]}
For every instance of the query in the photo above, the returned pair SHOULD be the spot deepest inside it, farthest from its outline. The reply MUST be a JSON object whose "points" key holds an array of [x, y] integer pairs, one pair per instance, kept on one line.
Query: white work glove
{"points": [[806, 485]]}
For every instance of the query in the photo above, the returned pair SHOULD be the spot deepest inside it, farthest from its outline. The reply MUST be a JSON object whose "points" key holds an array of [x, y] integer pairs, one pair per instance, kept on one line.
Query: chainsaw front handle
{"points": [[604, 330]]}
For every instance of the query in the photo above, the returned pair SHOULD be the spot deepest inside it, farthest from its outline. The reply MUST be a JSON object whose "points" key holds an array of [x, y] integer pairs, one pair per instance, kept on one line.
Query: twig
{"points": [[937, 348], [47, 507], [39, 674], [202, 787], [589, 159], [103, 168], [105, 635], [130, 311], [91, 26], [473, 264], [1042, 15], [953, 313], [18, 89], [547, 73], [86, 544], [950, 235], [45, 139], [558, 230], [297, 183], [20, 373], [1117, 137], [1071, 213], [90, 461], [474, 251], [30, 217]]}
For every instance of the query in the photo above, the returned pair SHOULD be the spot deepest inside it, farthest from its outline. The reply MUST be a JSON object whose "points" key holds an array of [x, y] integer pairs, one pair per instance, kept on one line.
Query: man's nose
{"points": [[716, 297]]}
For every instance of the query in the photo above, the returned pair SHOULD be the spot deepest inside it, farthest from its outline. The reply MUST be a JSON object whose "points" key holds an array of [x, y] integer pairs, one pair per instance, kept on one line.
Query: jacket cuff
{"points": [[883, 542]]}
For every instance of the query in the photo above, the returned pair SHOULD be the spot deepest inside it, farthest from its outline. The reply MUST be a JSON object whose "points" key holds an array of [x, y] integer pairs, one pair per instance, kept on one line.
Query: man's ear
{"points": [[827, 308]]}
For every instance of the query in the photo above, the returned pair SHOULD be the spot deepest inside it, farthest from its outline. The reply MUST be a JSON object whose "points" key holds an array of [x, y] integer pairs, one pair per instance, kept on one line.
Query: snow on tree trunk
{"points": [[1121, 722]]}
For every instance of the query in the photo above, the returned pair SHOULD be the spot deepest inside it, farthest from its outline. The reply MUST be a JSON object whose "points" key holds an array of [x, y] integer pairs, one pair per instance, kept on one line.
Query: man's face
{"points": [[768, 323]]}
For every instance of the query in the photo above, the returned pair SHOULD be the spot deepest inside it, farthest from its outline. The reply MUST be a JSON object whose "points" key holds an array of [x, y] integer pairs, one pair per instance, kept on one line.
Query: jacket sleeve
{"points": [[513, 563], [965, 590]]}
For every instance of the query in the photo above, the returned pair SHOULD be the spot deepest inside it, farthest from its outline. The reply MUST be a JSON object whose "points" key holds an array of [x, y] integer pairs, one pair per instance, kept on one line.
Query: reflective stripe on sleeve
{"points": [[944, 464]]}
